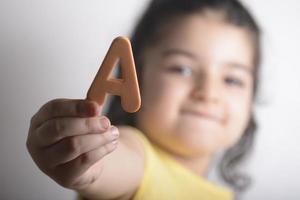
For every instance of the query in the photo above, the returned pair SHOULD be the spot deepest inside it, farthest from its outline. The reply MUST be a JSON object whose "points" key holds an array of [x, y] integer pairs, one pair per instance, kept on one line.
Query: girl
{"points": [[197, 64]]}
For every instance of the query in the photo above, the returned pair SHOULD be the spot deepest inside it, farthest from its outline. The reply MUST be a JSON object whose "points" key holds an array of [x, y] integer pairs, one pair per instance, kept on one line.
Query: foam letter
{"points": [[127, 87]]}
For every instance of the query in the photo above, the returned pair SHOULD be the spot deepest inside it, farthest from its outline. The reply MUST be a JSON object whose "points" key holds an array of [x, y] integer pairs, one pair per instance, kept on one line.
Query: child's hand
{"points": [[67, 140]]}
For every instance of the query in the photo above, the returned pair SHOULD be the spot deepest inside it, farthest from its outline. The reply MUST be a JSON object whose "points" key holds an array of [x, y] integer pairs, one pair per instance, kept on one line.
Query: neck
{"points": [[198, 164]]}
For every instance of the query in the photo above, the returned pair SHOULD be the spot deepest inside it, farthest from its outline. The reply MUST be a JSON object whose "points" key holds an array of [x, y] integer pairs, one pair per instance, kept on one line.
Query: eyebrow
{"points": [[240, 67], [175, 51]]}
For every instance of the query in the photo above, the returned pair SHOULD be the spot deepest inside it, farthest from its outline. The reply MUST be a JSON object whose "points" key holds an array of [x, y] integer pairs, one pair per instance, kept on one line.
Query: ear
{"points": [[127, 87]]}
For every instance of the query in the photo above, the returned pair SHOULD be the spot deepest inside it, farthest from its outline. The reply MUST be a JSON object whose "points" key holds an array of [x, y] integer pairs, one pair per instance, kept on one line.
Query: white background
{"points": [[52, 49]]}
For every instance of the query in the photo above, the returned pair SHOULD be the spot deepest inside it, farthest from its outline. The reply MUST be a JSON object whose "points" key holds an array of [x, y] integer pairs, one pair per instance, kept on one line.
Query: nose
{"points": [[206, 87]]}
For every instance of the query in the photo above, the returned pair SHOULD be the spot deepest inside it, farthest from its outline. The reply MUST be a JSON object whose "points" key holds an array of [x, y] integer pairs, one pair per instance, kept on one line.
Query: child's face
{"points": [[197, 86]]}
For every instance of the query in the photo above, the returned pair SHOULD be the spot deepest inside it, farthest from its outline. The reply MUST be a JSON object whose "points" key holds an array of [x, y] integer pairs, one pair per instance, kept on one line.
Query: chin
{"points": [[200, 144], [202, 136]]}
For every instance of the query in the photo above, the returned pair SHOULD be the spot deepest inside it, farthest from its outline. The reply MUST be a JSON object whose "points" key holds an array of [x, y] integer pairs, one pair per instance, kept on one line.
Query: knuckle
{"points": [[86, 158], [32, 120], [28, 144], [90, 124], [87, 123], [59, 125], [73, 145], [47, 132]]}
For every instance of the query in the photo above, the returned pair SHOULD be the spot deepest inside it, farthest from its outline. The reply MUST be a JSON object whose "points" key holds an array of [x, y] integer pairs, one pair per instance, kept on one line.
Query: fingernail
{"points": [[114, 130], [105, 122]]}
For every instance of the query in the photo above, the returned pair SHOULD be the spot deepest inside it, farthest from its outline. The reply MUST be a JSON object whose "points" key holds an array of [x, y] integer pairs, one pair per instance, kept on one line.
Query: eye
{"points": [[181, 70], [232, 81]]}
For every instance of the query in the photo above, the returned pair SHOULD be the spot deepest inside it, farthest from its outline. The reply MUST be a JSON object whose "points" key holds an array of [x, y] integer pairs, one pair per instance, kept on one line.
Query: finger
{"points": [[68, 172], [65, 108], [56, 129], [70, 148]]}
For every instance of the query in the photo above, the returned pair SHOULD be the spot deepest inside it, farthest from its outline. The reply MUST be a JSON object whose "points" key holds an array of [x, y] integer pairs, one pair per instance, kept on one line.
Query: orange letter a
{"points": [[127, 87]]}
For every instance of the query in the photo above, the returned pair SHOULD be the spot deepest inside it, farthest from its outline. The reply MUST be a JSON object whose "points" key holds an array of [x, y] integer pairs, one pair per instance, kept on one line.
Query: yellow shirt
{"points": [[166, 179]]}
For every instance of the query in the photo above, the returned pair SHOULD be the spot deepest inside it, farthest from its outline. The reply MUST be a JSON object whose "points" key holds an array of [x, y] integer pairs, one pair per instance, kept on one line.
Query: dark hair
{"points": [[158, 14]]}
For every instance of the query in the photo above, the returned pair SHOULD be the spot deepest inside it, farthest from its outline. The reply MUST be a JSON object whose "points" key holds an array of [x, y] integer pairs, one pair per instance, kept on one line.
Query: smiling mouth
{"points": [[204, 115]]}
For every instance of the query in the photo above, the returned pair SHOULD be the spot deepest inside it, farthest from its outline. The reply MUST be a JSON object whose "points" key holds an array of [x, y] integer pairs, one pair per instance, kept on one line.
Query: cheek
{"points": [[161, 97], [162, 94], [239, 112], [155, 94]]}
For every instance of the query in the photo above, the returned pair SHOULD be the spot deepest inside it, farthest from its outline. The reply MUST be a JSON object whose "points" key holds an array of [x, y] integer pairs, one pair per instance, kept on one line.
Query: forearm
{"points": [[120, 175]]}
